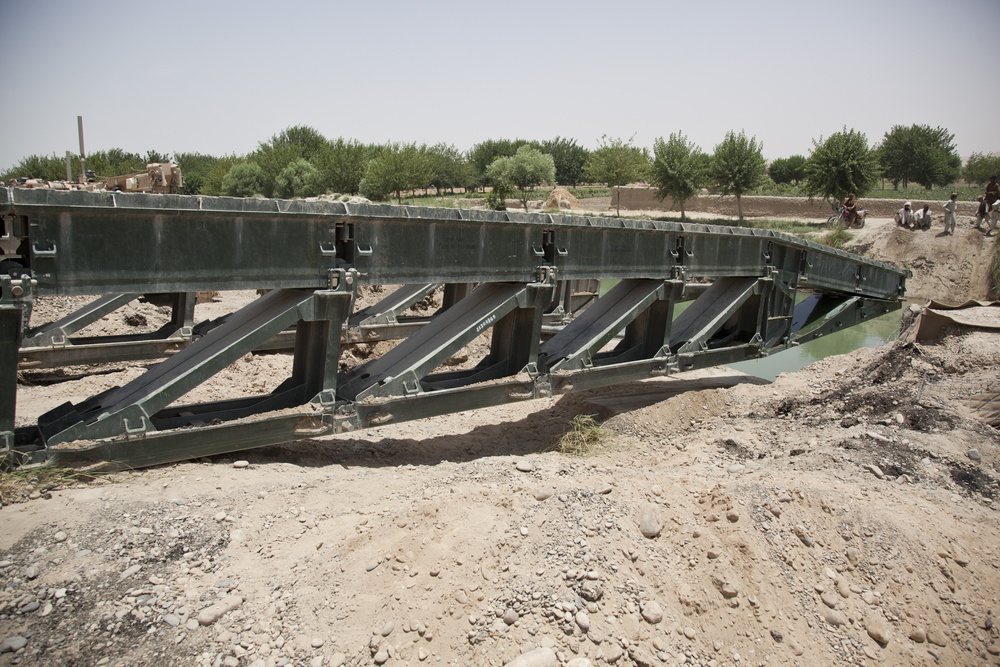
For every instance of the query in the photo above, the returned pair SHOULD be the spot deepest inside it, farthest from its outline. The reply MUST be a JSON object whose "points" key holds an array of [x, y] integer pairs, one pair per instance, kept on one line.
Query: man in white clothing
{"points": [[904, 216], [950, 217]]}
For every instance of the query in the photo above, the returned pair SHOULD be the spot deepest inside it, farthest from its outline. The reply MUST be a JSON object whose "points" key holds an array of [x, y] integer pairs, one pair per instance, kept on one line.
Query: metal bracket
{"points": [[142, 428], [341, 280]]}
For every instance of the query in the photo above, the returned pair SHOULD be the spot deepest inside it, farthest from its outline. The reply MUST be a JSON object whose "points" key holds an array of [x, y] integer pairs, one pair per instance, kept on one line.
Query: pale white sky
{"points": [[220, 77]]}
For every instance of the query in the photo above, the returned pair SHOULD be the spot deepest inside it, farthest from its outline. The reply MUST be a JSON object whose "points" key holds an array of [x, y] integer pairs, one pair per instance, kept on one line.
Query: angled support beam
{"points": [[642, 309], [710, 312], [822, 314], [402, 370], [135, 408], [388, 310], [57, 333]]}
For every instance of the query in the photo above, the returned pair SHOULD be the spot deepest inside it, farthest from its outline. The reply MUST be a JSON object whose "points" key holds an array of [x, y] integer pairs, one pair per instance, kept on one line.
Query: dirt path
{"points": [[842, 515]]}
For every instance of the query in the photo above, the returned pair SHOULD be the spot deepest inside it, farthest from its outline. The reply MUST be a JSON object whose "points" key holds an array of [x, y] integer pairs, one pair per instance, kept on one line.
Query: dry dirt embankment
{"points": [[843, 515]]}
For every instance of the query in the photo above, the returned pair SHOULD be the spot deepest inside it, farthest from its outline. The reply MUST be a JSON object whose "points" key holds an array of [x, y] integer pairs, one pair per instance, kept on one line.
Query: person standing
{"points": [[992, 191], [982, 213], [950, 215], [994, 217]]}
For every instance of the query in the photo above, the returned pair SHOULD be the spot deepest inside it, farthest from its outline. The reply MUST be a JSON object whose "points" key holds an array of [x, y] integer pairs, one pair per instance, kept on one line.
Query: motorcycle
{"points": [[840, 218]]}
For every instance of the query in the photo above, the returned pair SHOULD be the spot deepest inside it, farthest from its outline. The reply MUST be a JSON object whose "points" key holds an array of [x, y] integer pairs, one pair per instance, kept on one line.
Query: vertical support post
{"points": [[316, 359], [182, 310], [69, 167], [83, 155], [10, 340], [453, 293]]}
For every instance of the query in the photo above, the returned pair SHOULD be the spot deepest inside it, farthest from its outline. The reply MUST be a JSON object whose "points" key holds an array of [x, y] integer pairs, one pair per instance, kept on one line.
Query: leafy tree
{"points": [[528, 168], [289, 145], [678, 169], [115, 162], [203, 173], [482, 155], [787, 169], [570, 159], [397, 167], [156, 156], [48, 168], [840, 165], [214, 173], [617, 163], [919, 153], [299, 179], [193, 184], [245, 179], [738, 166], [979, 168], [307, 140], [449, 168], [342, 164]]}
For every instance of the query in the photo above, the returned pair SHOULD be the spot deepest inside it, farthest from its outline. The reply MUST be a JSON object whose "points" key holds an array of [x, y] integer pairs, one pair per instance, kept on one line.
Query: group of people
{"points": [[988, 212], [908, 218]]}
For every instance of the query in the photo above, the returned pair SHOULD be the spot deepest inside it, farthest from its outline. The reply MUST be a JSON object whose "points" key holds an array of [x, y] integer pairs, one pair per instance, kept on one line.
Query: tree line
{"points": [[301, 162]]}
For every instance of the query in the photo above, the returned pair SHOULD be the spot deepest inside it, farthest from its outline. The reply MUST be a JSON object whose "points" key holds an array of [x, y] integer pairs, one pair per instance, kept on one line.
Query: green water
{"points": [[873, 333]]}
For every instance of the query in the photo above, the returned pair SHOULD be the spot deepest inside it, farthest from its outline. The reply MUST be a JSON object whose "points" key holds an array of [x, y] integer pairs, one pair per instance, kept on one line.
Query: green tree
{"points": [[840, 165], [299, 179], [201, 175], [787, 169], [921, 154], [156, 156], [570, 159], [482, 155], [396, 168], [526, 170], [449, 168], [738, 166], [216, 174], [678, 169], [617, 163], [979, 168], [48, 168], [342, 163], [115, 162], [245, 179], [289, 145]]}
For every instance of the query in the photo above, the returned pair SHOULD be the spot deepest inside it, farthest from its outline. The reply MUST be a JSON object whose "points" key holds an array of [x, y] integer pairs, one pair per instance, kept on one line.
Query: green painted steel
{"points": [[100, 243], [314, 255]]}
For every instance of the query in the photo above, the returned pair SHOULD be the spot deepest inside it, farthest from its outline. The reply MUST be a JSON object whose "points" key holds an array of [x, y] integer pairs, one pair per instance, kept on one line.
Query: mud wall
{"points": [[644, 199]]}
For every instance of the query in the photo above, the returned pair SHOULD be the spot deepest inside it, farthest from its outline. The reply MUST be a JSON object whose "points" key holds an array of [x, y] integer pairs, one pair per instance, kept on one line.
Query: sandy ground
{"points": [[842, 515]]}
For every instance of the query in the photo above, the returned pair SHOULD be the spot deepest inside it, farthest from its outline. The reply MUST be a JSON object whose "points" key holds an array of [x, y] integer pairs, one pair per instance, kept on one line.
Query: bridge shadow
{"points": [[536, 432]]}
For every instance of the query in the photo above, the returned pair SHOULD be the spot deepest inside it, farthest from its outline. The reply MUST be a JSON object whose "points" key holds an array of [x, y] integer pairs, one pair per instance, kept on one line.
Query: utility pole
{"points": [[83, 159]]}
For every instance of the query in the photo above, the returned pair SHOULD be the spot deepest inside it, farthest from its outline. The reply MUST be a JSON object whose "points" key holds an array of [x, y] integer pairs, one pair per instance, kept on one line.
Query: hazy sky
{"points": [[220, 77]]}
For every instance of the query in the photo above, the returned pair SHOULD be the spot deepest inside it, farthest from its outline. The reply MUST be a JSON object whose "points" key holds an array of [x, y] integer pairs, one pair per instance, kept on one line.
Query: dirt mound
{"points": [[841, 515], [947, 267], [562, 199]]}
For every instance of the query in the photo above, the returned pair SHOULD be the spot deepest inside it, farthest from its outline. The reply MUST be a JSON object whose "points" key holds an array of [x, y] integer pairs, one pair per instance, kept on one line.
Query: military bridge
{"points": [[528, 281]]}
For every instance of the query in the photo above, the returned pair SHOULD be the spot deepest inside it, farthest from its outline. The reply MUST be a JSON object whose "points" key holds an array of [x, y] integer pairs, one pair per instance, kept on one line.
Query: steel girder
{"points": [[536, 277]]}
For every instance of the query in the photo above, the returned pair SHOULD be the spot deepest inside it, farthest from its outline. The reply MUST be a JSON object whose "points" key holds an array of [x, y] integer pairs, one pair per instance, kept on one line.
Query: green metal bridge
{"points": [[527, 280]]}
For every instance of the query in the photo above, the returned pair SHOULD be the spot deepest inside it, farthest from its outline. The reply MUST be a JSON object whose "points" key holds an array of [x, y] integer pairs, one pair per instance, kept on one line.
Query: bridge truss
{"points": [[528, 281]]}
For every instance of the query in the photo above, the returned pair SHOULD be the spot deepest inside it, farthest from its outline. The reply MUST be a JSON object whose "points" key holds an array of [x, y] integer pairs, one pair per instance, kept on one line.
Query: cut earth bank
{"points": [[842, 515]]}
